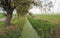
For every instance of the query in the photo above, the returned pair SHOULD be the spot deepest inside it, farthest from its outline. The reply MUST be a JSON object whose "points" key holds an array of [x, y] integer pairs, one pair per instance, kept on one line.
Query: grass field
{"points": [[57, 17], [52, 18]]}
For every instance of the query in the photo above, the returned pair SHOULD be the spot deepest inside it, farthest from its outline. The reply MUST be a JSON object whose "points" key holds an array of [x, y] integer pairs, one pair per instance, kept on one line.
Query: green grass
{"points": [[1, 15], [56, 17], [39, 25], [27, 33], [43, 25], [1, 24], [51, 18]]}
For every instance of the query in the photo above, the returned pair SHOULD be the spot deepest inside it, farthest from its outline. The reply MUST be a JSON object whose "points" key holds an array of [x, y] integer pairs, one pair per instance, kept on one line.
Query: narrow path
{"points": [[28, 31], [2, 19]]}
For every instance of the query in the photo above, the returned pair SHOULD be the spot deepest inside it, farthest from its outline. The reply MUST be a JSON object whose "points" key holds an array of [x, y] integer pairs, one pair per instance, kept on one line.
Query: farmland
{"points": [[51, 18], [47, 26]]}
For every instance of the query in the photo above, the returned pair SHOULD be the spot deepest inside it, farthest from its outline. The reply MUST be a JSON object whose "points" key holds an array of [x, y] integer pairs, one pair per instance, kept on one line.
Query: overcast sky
{"points": [[56, 4], [36, 10]]}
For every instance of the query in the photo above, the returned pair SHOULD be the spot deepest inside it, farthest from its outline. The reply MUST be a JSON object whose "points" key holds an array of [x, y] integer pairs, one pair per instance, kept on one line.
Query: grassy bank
{"points": [[44, 28]]}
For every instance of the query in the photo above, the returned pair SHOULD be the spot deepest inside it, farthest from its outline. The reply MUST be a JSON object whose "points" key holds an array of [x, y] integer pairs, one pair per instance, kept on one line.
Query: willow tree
{"points": [[22, 7], [8, 6]]}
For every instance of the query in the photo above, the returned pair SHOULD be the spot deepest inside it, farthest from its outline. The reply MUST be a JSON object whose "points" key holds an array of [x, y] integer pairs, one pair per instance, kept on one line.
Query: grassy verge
{"points": [[1, 24], [43, 27], [1, 15]]}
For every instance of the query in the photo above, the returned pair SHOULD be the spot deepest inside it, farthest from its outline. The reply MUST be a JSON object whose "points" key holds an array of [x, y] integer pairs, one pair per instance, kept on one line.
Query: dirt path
{"points": [[29, 31]]}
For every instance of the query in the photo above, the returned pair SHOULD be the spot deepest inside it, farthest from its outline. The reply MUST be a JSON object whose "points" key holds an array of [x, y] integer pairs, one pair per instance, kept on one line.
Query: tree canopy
{"points": [[21, 6]]}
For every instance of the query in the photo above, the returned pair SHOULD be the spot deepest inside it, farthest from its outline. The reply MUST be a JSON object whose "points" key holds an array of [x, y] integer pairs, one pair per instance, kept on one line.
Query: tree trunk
{"points": [[8, 18]]}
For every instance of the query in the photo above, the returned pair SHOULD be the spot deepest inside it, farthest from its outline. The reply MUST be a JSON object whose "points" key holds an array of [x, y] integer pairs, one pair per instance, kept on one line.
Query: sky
{"points": [[56, 5], [36, 10]]}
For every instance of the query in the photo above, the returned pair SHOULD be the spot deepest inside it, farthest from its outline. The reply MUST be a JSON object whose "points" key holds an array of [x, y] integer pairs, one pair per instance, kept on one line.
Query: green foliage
{"points": [[19, 21], [11, 34], [16, 21], [41, 26]]}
